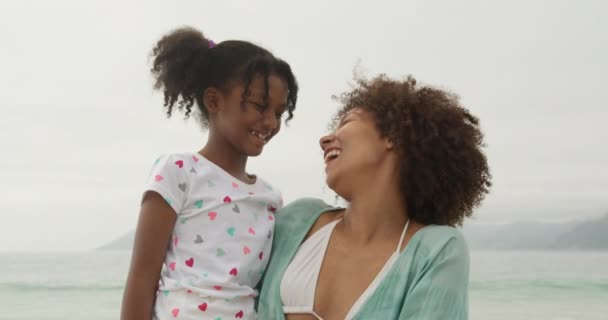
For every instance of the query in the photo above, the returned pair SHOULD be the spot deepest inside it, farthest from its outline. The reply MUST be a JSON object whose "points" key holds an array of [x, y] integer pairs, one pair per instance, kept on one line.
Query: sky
{"points": [[80, 124]]}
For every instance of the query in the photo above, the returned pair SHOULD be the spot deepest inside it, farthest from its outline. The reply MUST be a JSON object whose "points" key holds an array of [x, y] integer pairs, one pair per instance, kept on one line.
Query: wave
{"points": [[573, 285], [503, 285], [21, 286]]}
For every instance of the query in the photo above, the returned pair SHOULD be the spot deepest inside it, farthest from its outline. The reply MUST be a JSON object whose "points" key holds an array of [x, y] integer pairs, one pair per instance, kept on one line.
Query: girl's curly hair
{"points": [[186, 64]]}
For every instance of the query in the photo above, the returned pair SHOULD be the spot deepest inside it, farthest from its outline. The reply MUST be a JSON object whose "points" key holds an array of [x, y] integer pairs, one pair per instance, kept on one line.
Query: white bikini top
{"points": [[299, 281]]}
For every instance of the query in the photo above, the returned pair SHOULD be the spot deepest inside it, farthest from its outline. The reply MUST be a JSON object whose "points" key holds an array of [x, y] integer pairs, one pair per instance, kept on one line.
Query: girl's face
{"points": [[353, 152], [248, 127]]}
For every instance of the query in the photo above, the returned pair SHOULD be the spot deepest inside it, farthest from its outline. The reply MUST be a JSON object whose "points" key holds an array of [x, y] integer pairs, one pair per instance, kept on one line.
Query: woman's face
{"points": [[353, 152]]}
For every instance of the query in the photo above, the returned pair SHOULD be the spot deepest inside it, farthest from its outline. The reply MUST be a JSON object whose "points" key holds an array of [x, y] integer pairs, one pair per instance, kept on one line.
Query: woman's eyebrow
{"points": [[346, 116]]}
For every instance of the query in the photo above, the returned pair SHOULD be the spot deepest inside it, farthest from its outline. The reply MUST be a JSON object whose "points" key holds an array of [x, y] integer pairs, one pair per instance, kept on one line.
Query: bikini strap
{"points": [[402, 236]]}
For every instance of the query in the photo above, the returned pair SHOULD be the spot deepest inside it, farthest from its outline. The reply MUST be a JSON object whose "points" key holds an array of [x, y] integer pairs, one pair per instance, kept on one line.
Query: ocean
{"points": [[504, 285]]}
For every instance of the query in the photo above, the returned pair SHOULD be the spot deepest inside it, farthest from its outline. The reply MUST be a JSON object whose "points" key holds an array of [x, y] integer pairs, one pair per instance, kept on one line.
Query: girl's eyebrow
{"points": [[253, 96]]}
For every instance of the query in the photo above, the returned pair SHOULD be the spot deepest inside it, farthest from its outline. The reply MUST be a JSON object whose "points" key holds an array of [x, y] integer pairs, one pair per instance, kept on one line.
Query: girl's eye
{"points": [[260, 107]]}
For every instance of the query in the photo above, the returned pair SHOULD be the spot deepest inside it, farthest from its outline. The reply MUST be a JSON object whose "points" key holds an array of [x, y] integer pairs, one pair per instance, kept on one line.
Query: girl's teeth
{"points": [[259, 135]]}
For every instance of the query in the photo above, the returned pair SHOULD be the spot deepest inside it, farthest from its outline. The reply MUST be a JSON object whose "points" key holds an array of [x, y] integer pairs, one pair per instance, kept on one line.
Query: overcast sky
{"points": [[80, 124]]}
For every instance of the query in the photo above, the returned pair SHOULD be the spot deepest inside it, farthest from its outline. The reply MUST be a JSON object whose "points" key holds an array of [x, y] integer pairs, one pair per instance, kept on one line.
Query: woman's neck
{"points": [[377, 211], [371, 219]]}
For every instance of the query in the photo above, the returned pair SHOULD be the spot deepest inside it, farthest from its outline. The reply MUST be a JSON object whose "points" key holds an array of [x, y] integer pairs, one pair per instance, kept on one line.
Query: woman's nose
{"points": [[326, 140]]}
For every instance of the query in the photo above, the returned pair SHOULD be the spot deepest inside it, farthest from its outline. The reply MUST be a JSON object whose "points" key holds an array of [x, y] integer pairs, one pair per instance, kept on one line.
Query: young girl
{"points": [[206, 225]]}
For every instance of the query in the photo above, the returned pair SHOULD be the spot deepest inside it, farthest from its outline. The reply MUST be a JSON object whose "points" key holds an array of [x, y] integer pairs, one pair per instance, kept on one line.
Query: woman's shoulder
{"points": [[436, 239], [307, 203], [301, 214], [440, 232], [302, 210], [437, 251]]}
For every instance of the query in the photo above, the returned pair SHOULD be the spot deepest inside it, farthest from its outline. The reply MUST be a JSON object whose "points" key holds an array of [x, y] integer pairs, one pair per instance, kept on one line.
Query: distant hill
{"points": [[520, 235], [123, 243], [585, 235]]}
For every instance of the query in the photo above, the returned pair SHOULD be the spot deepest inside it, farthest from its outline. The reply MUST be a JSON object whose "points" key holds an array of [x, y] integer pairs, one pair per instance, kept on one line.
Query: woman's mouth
{"points": [[332, 154]]}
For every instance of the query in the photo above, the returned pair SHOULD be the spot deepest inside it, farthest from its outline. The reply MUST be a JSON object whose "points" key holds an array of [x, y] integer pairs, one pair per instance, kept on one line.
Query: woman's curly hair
{"points": [[444, 173]]}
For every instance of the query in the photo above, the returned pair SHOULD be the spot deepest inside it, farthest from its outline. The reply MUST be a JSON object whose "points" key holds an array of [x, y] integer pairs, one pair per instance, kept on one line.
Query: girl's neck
{"points": [[227, 158]]}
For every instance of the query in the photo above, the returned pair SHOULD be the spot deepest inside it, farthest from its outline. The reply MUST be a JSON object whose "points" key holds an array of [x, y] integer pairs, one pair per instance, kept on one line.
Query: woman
{"points": [[408, 160]]}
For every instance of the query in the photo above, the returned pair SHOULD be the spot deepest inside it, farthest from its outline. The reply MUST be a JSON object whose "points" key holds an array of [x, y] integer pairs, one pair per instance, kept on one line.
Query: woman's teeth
{"points": [[332, 154]]}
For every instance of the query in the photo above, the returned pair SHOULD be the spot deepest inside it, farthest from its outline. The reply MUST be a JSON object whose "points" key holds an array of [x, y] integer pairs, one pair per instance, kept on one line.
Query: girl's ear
{"points": [[211, 98], [389, 144]]}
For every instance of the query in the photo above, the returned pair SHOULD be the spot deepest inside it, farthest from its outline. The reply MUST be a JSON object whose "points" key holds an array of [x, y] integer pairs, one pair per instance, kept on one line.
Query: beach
{"points": [[551, 285]]}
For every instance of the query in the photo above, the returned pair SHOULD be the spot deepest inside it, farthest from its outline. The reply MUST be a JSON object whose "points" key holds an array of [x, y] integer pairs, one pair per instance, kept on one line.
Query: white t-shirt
{"points": [[221, 241]]}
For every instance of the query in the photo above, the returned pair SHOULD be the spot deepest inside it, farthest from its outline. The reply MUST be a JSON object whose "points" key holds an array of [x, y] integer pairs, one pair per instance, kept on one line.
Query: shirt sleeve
{"points": [[442, 290], [168, 178]]}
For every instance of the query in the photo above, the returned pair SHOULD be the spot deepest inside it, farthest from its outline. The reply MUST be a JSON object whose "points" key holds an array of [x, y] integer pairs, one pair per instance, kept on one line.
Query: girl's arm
{"points": [[156, 222]]}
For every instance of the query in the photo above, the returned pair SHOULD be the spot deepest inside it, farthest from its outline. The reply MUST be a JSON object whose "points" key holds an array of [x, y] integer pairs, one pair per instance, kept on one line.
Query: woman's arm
{"points": [[156, 222], [441, 292]]}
